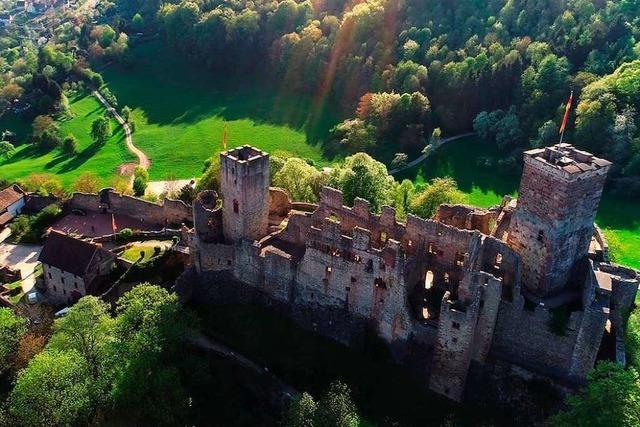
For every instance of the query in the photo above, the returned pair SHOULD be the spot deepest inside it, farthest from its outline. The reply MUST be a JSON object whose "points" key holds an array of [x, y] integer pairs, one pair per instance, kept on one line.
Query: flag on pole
{"points": [[567, 109], [224, 136]]}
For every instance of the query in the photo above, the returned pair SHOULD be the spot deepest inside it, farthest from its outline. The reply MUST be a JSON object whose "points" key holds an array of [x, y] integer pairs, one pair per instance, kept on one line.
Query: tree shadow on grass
{"points": [[61, 157], [30, 152], [172, 92], [459, 160]]}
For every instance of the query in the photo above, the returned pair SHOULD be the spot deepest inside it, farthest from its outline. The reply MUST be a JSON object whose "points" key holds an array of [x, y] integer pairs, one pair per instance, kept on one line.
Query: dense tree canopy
{"points": [[401, 68], [362, 176], [95, 365], [12, 328], [611, 398]]}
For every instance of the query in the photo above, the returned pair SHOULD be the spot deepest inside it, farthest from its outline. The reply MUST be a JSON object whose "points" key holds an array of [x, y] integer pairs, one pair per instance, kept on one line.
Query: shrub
{"points": [[125, 233], [70, 145], [43, 183], [96, 80], [88, 182], [139, 186], [30, 229]]}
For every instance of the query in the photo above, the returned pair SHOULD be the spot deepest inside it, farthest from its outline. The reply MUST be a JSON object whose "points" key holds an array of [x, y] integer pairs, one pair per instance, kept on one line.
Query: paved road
{"points": [[424, 156], [143, 160]]}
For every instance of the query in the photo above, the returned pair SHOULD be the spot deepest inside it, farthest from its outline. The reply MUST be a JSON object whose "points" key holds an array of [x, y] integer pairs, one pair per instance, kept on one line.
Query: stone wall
{"points": [[468, 217], [552, 225], [34, 203], [453, 350], [165, 213], [207, 217], [525, 337], [245, 191]]}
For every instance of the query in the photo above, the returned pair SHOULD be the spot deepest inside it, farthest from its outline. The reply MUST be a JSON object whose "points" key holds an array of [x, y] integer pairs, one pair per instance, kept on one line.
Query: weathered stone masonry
{"points": [[470, 285]]}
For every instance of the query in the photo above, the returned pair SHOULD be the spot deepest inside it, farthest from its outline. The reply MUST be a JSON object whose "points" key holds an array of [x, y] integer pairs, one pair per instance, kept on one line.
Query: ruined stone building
{"points": [[526, 283]]}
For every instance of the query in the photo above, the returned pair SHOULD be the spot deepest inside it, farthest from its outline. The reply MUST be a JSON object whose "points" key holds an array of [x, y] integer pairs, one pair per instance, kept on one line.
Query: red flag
{"points": [[114, 226], [566, 113]]}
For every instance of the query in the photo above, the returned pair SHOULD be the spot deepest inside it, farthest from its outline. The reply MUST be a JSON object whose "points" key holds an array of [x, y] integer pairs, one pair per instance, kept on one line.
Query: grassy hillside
{"points": [[101, 160], [485, 187], [180, 112]]}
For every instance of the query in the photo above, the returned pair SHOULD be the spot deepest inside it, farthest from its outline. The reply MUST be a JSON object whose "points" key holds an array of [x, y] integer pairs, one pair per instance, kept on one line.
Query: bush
{"points": [[70, 145], [96, 80], [30, 229], [139, 186], [43, 183], [125, 233]]}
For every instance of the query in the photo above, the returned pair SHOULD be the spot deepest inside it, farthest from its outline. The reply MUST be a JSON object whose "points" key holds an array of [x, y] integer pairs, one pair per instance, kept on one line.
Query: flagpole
{"points": [[565, 118]]}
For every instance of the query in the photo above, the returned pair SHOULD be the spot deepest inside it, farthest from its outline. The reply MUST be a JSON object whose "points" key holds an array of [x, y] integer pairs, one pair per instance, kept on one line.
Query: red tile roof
{"points": [[9, 196], [68, 253]]}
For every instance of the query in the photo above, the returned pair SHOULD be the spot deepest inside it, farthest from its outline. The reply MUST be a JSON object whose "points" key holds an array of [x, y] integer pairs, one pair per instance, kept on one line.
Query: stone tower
{"points": [[552, 224], [245, 193]]}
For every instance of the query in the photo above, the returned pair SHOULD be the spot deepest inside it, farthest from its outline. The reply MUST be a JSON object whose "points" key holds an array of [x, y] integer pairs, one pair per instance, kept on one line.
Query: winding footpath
{"points": [[423, 157], [143, 160]]}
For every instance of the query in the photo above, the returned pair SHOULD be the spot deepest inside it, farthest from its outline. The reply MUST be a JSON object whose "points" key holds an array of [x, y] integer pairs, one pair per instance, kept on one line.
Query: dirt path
{"points": [[143, 160], [204, 342], [424, 156]]}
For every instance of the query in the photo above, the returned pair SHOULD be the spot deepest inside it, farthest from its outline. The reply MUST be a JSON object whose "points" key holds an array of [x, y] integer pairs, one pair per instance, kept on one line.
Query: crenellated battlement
{"points": [[468, 285]]}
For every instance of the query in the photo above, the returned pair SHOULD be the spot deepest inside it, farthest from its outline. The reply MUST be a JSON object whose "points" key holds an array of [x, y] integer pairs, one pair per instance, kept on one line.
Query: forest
{"points": [[398, 70]]}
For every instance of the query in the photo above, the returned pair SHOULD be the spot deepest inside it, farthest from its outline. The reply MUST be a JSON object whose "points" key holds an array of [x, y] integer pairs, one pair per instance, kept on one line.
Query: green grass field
{"points": [[180, 112], [102, 160], [485, 186]]}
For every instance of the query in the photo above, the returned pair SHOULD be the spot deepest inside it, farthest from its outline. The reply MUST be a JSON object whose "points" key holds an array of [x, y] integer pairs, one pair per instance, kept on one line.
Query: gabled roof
{"points": [[9, 196], [68, 253]]}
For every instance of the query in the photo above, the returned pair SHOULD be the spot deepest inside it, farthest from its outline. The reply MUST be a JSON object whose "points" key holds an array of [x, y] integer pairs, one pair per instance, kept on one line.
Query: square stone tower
{"points": [[552, 224], [245, 193]]}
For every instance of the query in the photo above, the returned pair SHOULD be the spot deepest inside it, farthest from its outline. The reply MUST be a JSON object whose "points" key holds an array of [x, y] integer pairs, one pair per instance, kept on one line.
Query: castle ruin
{"points": [[527, 282]]}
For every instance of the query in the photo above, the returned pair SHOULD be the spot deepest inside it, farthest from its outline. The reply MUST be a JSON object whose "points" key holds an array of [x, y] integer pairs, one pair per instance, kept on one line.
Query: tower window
{"points": [[236, 207], [540, 235], [455, 325]]}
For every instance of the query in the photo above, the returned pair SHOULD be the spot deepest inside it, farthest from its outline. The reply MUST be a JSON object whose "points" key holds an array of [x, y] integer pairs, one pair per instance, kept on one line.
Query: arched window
{"points": [[236, 207]]}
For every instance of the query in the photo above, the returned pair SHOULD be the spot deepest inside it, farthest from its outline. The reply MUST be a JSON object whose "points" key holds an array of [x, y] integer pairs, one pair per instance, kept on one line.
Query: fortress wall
{"points": [[467, 217], [345, 272], [84, 201], [589, 338], [278, 274], [279, 202], [248, 266], [207, 217], [487, 314], [446, 241], [500, 260], [382, 227], [212, 256], [525, 337], [297, 229], [453, 348], [169, 212]]}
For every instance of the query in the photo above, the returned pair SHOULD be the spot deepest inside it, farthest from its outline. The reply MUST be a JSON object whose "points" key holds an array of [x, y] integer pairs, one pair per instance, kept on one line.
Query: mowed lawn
{"points": [[181, 110], [485, 186], [102, 160]]}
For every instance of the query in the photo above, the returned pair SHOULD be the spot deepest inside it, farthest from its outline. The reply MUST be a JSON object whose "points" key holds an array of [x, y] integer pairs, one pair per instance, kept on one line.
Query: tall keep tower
{"points": [[245, 193], [552, 224]]}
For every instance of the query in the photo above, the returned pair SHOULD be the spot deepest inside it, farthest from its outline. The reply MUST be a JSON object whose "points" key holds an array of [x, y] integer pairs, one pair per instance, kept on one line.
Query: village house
{"points": [[11, 203], [72, 267]]}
